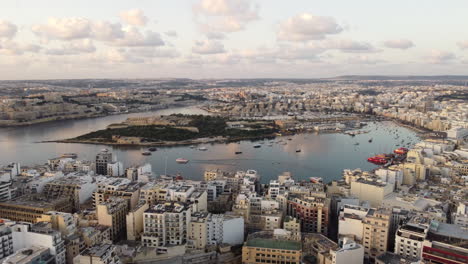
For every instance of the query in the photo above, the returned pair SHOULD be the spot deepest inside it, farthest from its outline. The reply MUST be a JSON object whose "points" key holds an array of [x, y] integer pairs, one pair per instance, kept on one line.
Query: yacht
{"points": [[182, 161], [202, 149]]}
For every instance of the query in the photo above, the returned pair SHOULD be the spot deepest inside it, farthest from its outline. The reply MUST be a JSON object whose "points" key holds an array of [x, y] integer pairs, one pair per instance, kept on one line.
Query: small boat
{"points": [[316, 179], [270, 145], [238, 152], [370, 140], [182, 161], [69, 155], [289, 138], [257, 146], [202, 149], [298, 150], [357, 143], [152, 149], [192, 147], [146, 153]]}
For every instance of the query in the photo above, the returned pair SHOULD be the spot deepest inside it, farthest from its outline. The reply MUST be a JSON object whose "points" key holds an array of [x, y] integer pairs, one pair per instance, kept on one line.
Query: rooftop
{"points": [[274, 244]]}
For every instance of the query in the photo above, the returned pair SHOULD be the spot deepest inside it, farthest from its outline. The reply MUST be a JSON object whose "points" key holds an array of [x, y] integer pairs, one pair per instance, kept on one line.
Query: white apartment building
{"points": [[350, 221], [371, 191], [25, 236], [166, 224], [348, 252], [410, 237]]}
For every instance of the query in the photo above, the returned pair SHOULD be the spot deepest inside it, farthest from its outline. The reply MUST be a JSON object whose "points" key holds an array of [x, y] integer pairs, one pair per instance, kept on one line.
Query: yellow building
{"points": [[30, 208], [112, 213], [135, 221], [265, 249]]}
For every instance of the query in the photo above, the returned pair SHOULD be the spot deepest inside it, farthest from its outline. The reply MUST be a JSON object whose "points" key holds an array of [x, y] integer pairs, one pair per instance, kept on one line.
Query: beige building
{"points": [[293, 225], [372, 191], [112, 213], [264, 248], [135, 221], [30, 208], [62, 222], [376, 228], [100, 254]]}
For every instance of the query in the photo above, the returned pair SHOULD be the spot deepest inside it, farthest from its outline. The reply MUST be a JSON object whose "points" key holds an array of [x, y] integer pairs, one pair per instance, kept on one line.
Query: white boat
{"points": [[202, 149], [182, 161], [316, 179], [257, 146]]}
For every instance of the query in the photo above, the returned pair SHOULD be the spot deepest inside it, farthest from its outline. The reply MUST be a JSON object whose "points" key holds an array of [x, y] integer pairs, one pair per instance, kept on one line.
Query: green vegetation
{"points": [[208, 126]]}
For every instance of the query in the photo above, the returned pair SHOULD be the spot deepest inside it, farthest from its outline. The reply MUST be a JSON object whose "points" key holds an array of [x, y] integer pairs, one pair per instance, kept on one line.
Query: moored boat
{"points": [[182, 161]]}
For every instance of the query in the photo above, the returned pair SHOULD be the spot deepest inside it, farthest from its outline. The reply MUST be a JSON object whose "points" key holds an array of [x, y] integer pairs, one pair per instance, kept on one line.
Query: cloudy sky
{"points": [[231, 38]]}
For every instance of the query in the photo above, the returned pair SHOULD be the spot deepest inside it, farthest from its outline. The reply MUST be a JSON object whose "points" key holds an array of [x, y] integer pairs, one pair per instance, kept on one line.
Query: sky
{"points": [[62, 39]]}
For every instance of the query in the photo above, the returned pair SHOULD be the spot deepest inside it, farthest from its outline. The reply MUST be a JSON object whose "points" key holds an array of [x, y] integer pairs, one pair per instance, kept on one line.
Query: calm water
{"points": [[322, 155]]}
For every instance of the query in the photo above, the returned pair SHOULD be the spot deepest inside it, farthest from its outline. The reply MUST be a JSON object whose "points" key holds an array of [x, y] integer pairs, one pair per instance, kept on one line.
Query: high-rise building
{"points": [[102, 160], [376, 228], [312, 212], [166, 224], [410, 237], [112, 213]]}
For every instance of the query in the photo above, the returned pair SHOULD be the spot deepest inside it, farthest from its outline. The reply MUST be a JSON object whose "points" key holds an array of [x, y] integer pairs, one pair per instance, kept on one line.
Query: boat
{"points": [[377, 160], [69, 155], [289, 138], [182, 161], [238, 152], [152, 149], [146, 153], [315, 180], [357, 143], [298, 150], [192, 147], [202, 149], [257, 146], [270, 145], [370, 140], [400, 151]]}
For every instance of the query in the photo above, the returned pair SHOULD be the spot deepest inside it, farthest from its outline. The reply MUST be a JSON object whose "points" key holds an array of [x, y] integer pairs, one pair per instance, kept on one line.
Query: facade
{"points": [[372, 191], [312, 212], [30, 208], [102, 159], [112, 213], [77, 189], [6, 238], [348, 252], [166, 224], [410, 237], [25, 236], [376, 229], [31, 255], [134, 220]]}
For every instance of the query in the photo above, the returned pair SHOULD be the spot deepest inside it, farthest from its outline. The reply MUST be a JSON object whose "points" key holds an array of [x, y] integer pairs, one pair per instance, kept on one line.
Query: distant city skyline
{"points": [[231, 38]]}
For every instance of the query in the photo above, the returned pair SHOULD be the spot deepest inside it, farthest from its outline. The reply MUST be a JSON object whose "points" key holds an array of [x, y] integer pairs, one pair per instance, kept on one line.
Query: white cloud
{"points": [[208, 47], [9, 47], [215, 35], [351, 46], [134, 38], [73, 48], [225, 15], [463, 44], [399, 44], [150, 52], [306, 26], [106, 31], [64, 28], [441, 57], [171, 33], [7, 29], [364, 59], [134, 17]]}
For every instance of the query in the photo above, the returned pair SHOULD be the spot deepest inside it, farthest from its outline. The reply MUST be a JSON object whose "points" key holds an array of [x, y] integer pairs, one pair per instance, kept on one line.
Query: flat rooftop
{"points": [[274, 244]]}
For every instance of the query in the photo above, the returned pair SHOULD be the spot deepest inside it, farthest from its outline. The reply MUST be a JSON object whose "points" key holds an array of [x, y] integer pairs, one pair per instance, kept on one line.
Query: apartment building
{"points": [[376, 229], [29, 208], [99, 254], [112, 213], [410, 237], [312, 212]]}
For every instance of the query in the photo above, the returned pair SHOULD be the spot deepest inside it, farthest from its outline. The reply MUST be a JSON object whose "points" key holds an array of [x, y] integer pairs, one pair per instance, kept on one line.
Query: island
{"points": [[178, 129]]}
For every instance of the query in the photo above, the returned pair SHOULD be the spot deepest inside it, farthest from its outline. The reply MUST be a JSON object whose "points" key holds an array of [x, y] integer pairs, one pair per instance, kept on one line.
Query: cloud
{"points": [[134, 17], [134, 38], [225, 15], [150, 52], [306, 26], [441, 57], [215, 35], [73, 48], [399, 44], [171, 33], [351, 46], [364, 59], [463, 44], [7, 29], [9, 47], [111, 33], [64, 28], [208, 47]]}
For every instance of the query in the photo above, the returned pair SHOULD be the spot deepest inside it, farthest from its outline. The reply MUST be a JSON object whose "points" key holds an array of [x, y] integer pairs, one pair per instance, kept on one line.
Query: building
{"points": [[372, 191], [166, 224], [115, 169], [102, 159], [264, 247], [134, 220], [112, 213], [348, 252], [65, 223], [31, 255], [25, 236], [376, 229], [312, 212], [351, 222], [100, 254], [6, 238], [410, 237], [292, 225], [29, 208], [392, 258], [445, 244]]}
